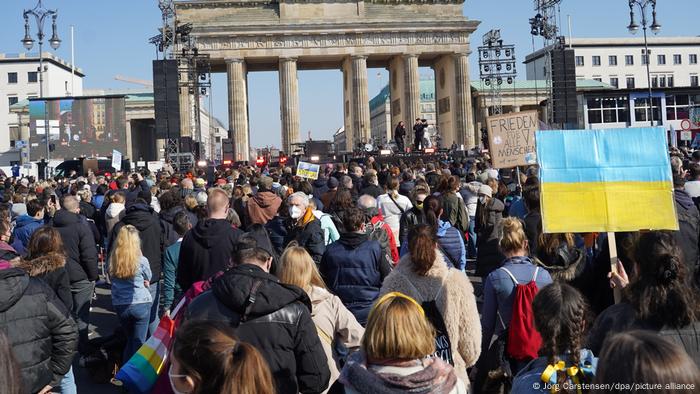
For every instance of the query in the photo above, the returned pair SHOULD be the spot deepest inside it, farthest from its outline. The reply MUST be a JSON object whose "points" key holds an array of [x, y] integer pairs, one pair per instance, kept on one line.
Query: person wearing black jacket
{"points": [[39, 328], [140, 214], [399, 135], [81, 261], [170, 205], [273, 317], [209, 247]]}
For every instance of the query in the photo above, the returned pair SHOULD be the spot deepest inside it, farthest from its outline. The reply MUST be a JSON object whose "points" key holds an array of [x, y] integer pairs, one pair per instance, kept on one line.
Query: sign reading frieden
{"points": [[605, 180], [512, 139], [308, 170]]}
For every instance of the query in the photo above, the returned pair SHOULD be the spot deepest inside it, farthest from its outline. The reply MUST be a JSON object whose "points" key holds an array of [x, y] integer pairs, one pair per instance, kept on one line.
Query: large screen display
{"points": [[77, 126]]}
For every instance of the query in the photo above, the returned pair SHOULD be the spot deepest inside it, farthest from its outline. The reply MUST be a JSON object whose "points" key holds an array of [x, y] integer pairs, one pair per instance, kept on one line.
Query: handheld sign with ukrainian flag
{"points": [[605, 180]]}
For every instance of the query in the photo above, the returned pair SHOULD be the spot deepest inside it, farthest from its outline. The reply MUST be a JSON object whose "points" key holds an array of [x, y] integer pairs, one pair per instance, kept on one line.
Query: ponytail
{"points": [[432, 208], [421, 247]]}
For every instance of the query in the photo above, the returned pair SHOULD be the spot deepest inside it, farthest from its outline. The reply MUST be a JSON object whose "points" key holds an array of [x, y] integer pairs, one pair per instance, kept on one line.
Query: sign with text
{"points": [[512, 139], [116, 160], [308, 170]]}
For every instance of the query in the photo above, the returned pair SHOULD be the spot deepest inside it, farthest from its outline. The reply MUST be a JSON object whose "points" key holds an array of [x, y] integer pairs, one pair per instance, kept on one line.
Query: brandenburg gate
{"points": [[243, 36]]}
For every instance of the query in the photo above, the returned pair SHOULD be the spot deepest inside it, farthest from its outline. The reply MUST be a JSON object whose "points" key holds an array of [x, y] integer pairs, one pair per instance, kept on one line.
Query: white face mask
{"points": [[170, 378], [482, 199], [295, 212]]}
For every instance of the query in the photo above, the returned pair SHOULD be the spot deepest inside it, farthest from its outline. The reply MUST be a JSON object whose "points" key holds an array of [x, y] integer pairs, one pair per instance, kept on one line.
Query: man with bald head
{"points": [[81, 261], [208, 247]]}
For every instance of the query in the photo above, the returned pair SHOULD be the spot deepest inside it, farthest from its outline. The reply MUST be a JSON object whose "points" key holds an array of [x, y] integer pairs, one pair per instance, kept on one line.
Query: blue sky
{"points": [[111, 39]]}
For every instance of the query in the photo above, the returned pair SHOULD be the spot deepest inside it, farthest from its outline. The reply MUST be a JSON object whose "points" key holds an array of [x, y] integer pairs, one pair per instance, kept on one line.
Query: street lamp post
{"points": [[40, 14], [655, 28]]}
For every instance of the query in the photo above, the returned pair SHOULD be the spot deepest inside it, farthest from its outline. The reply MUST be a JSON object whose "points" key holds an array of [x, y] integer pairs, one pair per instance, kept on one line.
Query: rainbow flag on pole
{"points": [[605, 180]]}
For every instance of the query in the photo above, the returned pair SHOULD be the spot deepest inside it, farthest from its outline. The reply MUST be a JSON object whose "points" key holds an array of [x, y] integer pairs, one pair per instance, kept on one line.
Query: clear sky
{"points": [[111, 38]]}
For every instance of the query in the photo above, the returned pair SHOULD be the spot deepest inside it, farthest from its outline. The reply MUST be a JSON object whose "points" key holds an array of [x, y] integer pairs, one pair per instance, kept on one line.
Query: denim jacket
{"points": [[133, 291]]}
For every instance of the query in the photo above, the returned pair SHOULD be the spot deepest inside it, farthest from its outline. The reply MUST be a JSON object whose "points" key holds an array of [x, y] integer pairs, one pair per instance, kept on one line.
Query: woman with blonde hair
{"points": [[334, 322], [397, 353], [444, 293], [499, 292], [130, 273], [208, 358]]}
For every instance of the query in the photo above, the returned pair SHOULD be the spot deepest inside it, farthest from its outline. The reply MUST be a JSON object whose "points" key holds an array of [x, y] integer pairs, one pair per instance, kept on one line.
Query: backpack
{"points": [[523, 339], [443, 345]]}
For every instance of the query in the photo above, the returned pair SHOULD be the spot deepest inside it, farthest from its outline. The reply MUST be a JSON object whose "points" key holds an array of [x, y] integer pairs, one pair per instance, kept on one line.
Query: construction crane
{"points": [[136, 81]]}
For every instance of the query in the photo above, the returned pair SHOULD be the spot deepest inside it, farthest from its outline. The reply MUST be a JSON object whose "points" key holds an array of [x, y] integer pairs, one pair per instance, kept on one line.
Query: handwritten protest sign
{"points": [[308, 170], [512, 139]]}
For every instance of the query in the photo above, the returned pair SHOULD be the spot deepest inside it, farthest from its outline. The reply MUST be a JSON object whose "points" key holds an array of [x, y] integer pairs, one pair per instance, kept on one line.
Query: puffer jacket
{"points": [[354, 268], [40, 330], [334, 322], [488, 255], [408, 221], [25, 226], [52, 270], [309, 236], [452, 244], [79, 245], [278, 323], [456, 303]]}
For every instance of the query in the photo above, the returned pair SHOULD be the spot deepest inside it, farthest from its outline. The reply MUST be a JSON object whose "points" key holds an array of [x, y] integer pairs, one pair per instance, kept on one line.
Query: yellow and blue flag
{"points": [[605, 180]]}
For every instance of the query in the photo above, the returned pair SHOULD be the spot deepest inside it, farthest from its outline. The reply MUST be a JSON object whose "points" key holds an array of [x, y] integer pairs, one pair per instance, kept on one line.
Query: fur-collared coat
{"points": [[456, 304], [52, 269]]}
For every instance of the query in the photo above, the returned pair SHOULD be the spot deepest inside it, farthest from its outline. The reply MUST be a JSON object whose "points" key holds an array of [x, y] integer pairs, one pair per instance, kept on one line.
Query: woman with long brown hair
{"points": [[446, 294], [207, 358]]}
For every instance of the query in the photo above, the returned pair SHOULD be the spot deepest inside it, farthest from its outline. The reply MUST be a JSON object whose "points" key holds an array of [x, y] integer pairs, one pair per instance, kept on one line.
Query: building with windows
{"points": [[622, 64], [19, 80], [382, 131]]}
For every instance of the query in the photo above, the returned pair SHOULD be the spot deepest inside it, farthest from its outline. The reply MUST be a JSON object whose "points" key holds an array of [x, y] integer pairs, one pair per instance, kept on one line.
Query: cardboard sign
{"points": [[308, 170], [512, 139], [603, 180], [116, 160]]}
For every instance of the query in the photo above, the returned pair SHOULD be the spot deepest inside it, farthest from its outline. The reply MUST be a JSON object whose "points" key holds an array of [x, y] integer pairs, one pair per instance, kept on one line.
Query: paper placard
{"points": [[512, 139]]}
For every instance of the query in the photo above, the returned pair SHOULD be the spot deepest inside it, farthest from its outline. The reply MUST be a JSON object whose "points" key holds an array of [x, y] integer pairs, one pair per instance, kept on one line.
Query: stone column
{"points": [[360, 102], [464, 129], [238, 107], [411, 89], [348, 106], [184, 97], [289, 103]]}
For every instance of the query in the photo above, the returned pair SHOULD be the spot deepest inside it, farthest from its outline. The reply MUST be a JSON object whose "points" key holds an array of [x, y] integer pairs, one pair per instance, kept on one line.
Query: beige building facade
{"points": [[348, 35]]}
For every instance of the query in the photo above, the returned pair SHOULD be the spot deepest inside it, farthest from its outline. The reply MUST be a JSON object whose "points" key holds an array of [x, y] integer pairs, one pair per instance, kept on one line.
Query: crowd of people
{"points": [[432, 276]]}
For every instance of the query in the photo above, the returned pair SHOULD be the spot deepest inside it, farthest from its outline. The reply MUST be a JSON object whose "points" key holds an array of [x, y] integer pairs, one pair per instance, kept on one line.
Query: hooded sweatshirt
{"points": [[142, 216], [114, 213], [262, 207], [206, 249]]}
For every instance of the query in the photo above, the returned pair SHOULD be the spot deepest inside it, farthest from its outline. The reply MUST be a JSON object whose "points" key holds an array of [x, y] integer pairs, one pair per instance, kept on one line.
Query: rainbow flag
{"points": [[605, 180]]}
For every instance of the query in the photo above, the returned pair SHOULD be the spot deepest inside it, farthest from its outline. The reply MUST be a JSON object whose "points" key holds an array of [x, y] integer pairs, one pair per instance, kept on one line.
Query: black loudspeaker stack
{"points": [[565, 104], [166, 99]]}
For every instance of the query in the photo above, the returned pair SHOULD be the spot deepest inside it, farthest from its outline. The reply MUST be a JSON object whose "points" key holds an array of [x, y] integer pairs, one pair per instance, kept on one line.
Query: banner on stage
{"points": [[512, 139], [605, 180], [308, 170]]}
